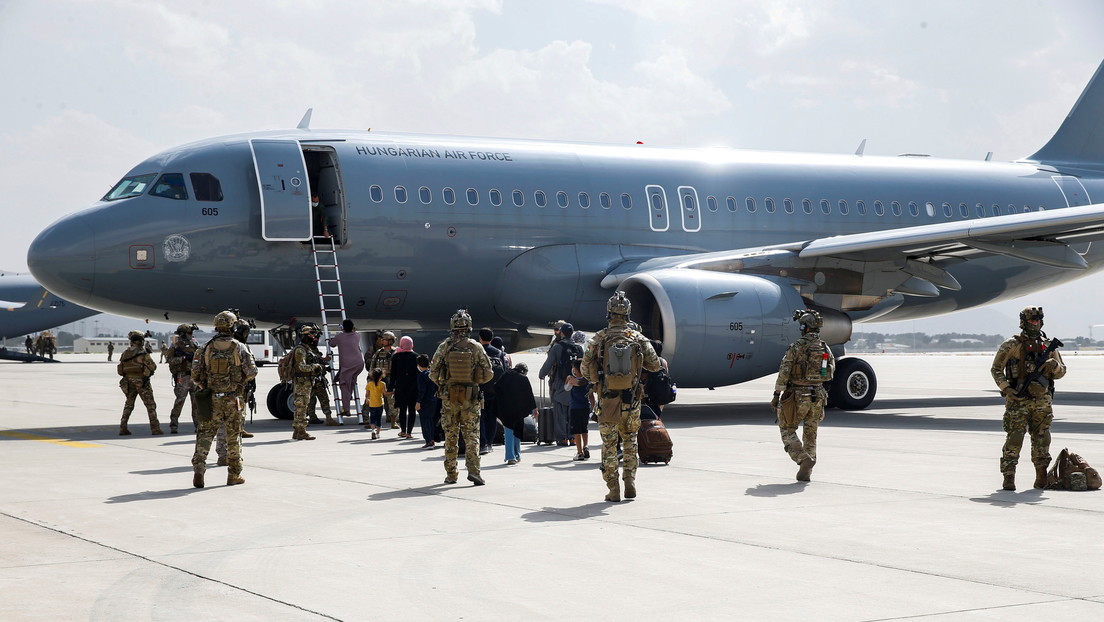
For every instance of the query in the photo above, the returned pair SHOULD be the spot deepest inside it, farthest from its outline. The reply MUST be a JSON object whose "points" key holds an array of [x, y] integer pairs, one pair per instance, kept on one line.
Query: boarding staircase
{"points": [[331, 302]]}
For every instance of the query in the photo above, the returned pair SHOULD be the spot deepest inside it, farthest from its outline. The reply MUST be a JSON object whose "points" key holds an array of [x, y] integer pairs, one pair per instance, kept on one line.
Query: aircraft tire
{"points": [[277, 401], [854, 385]]}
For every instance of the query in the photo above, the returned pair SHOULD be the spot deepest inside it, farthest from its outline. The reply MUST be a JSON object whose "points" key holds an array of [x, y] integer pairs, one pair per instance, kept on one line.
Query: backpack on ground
{"points": [[223, 362], [1072, 472], [622, 360], [660, 387]]}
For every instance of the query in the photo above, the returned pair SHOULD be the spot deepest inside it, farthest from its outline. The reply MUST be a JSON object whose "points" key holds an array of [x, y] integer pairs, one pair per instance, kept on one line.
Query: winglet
{"points": [[861, 149], [304, 123], [1080, 138]]}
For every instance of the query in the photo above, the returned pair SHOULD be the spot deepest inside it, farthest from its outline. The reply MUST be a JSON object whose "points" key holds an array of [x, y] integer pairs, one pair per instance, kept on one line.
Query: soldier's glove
{"points": [[1048, 368], [774, 401], [1007, 392]]}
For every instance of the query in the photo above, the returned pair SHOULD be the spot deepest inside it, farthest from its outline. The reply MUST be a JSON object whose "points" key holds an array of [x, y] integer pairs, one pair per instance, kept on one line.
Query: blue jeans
{"points": [[513, 445], [375, 415]]}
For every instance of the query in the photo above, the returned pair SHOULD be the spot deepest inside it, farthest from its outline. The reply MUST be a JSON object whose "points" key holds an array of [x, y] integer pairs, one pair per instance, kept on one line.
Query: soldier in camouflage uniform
{"points": [[1026, 380], [136, 367], [223, 366], [181, 353], [806, 366], [619, 405], [459, 366], [381, 358], [310, 381]]}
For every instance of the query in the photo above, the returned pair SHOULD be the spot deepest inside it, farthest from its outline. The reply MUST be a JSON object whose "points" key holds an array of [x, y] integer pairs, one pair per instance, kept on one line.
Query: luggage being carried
{"points": [[653, 441], [530, 434]]}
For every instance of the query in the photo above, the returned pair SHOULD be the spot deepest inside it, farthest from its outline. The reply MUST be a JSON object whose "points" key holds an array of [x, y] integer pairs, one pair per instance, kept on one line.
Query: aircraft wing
{"points": [[855, 272]]}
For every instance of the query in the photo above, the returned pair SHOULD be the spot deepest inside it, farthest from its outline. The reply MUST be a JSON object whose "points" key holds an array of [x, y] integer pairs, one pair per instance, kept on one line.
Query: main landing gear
{"points": [[853, 386]]}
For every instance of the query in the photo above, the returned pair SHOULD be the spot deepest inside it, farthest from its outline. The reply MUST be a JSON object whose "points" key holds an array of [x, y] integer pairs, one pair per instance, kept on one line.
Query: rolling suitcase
{"points": [[546, 427], [653, 441]]}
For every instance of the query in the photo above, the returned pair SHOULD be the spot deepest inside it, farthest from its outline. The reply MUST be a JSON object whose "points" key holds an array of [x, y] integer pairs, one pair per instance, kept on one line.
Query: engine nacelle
{"points": [[717, 328]]}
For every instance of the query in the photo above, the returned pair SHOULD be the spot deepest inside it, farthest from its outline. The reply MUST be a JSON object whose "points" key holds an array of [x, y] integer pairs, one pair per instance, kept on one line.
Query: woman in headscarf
{"points": [[350, 362], [404, 382]]}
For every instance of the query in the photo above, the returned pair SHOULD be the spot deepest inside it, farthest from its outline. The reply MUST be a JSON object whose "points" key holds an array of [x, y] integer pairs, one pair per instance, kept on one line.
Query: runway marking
{"points": [[47, 439]]}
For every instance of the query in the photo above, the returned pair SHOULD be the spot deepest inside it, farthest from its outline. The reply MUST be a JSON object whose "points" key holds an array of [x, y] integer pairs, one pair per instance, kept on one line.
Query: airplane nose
{"points": [[63, 259]]}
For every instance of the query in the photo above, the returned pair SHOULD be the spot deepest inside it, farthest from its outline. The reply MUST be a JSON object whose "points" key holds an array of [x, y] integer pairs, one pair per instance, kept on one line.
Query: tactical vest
{"points": [[810, 362], [223, 362], [460, 361], [133, 363], [180, 364], [622, 359], [382, 359]]}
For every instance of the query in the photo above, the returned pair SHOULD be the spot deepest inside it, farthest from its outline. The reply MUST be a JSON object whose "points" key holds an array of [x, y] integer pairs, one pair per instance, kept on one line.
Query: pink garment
{"points": [[406, 344], [350, 362]]}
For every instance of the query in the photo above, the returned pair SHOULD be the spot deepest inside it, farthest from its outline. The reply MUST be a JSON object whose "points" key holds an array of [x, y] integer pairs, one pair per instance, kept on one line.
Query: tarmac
{"points": [[904, 518]]}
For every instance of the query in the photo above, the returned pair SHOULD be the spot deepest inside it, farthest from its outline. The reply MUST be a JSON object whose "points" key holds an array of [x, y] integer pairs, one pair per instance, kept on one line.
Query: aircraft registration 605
{"points": [[715, 248]]}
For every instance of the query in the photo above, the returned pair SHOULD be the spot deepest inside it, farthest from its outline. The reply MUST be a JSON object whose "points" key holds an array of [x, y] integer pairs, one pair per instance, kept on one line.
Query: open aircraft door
{"points": [[285, 192]]}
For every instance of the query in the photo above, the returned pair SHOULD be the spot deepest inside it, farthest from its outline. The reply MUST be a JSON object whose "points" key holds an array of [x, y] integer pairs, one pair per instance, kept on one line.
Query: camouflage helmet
{"points": [[224, 322], [460, 321], [388, 335], [184, 329], [136, 336], [308, 331], [619, 305], [808, 319], [1031, 314]]}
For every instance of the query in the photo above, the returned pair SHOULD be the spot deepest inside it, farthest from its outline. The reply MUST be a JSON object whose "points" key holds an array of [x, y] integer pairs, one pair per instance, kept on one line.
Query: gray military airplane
{"points": [[715, 248], [27, 307]]}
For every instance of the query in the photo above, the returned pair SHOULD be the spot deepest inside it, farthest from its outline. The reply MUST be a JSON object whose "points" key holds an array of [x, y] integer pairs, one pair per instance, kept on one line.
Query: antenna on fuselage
{"points": [[304, 123], [861, 149]]}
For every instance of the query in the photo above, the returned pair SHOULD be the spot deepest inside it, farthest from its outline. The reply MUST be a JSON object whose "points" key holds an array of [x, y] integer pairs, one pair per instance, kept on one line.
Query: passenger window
{"points": [[206, 187], [860, 207], [450, 196], [807, 206], [947, 209], [979, 209], [843, 207], [561, 198], [170, 186], [519, 198], [749, 203], [825, 206], [731, 204], [929, 207], [496, 197], [400, 194], [879, 208], [787, 204], [473, 197], [896, 208], [540, 198], [962, 209], [626, 201], [584, 200], [376, 193], [914, 209], [605, 200], [996, 210], [768, 204], [711, 202], [425, 195], [129, 187]]}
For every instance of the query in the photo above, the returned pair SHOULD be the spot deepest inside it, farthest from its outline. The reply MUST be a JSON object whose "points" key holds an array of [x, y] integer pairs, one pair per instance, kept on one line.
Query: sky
{"points": [[91, 88]]}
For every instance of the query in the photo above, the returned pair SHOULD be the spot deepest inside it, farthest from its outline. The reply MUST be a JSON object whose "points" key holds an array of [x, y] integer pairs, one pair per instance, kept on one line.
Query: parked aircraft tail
{"points": [[1079, 141]]}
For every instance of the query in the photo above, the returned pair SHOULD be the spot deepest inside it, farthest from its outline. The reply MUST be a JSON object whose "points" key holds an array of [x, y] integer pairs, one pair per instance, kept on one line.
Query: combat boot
{"points": [[155, 427], [222, 461], [614, 495], [304, 436], [197, 476], [331, 421], [173, 428], [805, 468], [245, 434], [234, 480], [1009, 481], [123, 431], [476, 479], [630, 488], [1040, 476]]}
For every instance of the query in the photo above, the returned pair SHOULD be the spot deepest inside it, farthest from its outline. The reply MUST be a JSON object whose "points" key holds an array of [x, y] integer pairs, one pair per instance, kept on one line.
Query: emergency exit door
{"points": [[284, 189]]}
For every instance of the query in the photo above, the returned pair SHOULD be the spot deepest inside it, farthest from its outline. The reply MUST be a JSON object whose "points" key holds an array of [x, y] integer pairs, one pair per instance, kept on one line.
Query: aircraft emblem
{"points": [[177, 248]]}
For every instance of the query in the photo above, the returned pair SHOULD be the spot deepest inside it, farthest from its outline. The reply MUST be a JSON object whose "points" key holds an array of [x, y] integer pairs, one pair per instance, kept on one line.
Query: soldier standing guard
{"points": [[136, 366], [223, 366], [381, 358], [1025, 369], [799, 395], [310, 381], [612, 363], [181, 353], [459, 366], [110, 350]]}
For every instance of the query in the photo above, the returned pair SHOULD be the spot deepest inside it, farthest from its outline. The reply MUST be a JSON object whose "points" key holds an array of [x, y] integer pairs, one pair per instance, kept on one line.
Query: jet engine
{"points": [[717, 328]]}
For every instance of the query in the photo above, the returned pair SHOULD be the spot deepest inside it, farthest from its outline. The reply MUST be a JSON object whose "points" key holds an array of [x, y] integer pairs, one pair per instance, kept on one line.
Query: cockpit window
{"points": [[170, 186], [129, 187], [206, 186]]}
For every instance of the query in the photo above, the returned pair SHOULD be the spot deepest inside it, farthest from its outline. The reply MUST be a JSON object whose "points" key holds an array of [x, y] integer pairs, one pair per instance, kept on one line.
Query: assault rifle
{"points": [[1039, 361]]}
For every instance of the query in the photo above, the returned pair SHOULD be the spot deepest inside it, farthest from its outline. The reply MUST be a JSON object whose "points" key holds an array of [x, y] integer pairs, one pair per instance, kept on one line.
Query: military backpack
{"points": [[133, 363], [622, 359], [1072, 472], [223, 362], [811, 363]]}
